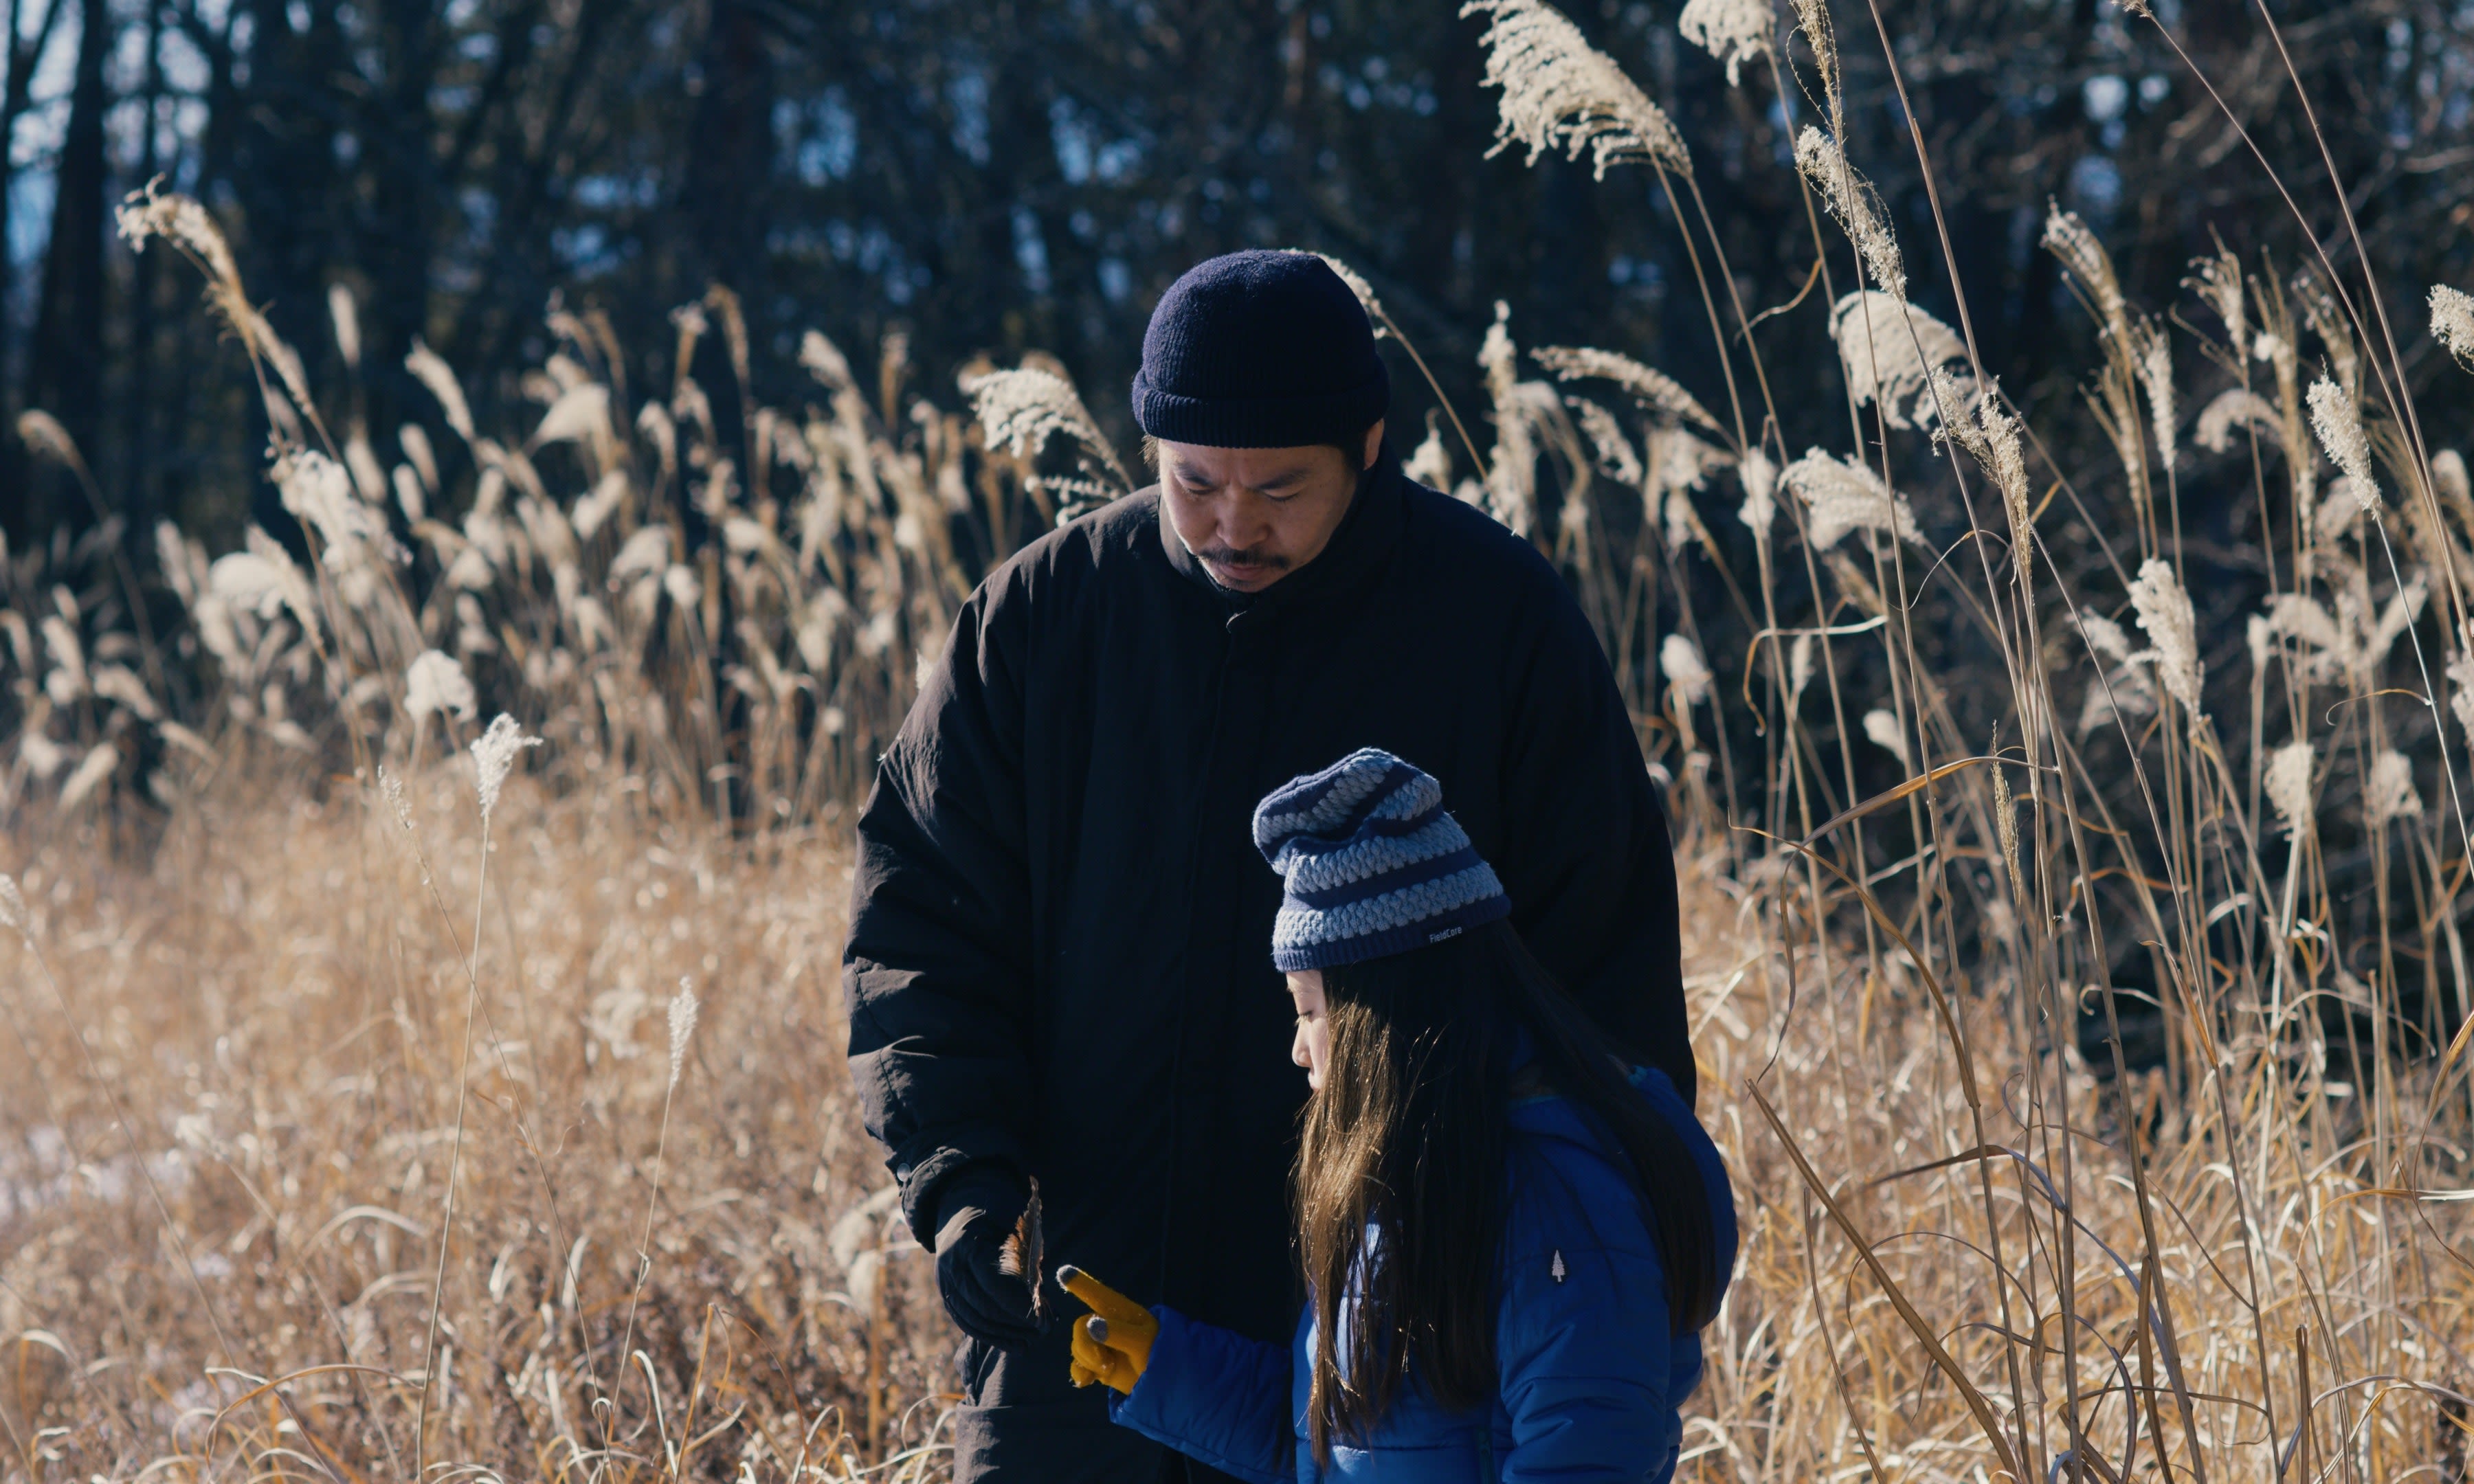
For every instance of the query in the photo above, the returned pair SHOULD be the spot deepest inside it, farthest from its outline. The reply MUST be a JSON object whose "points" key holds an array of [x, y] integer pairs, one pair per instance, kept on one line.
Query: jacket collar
{"points": [[1365, 537]]}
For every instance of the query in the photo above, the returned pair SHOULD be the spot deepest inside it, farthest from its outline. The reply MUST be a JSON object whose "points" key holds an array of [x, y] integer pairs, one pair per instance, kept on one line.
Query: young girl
{"points": [[1510, 1237]]}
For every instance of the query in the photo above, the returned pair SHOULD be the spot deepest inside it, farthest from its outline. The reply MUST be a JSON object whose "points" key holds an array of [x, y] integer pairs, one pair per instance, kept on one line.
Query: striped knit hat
{"points": [[1374, 865]]}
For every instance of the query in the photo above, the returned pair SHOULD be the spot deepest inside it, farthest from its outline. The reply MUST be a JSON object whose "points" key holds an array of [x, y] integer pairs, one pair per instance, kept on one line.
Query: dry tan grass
{"points": [[276, 1005]]}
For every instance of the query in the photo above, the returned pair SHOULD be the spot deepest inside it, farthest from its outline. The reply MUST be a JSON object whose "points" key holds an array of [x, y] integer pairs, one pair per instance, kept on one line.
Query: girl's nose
{"points": [[1297, 1048]]}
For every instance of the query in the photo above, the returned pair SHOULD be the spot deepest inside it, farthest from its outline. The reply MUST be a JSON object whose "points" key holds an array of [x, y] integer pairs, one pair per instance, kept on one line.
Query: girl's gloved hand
{"points": [[1114, 1343]]}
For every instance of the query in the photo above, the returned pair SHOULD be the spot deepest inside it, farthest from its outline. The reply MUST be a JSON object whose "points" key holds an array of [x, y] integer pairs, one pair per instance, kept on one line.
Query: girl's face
{"points": [[1312, 1049]]}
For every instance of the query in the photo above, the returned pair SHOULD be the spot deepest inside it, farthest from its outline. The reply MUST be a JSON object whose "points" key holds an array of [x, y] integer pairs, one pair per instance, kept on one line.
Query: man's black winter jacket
{"points": [[1061, 936]]}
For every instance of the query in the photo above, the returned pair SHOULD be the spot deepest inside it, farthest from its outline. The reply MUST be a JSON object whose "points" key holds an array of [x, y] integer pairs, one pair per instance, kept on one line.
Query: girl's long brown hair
{"points": [[1408, 1138]]}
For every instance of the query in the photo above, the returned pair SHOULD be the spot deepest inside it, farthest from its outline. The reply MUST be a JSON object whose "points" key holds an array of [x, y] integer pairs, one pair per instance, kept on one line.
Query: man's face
{"points": [[1253, 516]]}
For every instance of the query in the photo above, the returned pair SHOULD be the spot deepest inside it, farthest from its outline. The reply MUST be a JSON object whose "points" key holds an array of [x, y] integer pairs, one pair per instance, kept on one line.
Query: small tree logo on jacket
{"points": [[1556, 1272]]}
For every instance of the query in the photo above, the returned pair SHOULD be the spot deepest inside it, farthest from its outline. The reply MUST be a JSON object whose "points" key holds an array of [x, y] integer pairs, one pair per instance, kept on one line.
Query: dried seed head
{"points": [[2461, 682], [1686, 670], [2451, 322], [2068, 239], [494, 753], [1759, 477], [2165, 612], [2235, 409], [2218, 280], [2388, 793], [2338, 423], [1891, 350], [435, 683], [1884, 729], [2156, 379], [12, 905], [392, 788], [1658, 395], [1561, 92], [1799, 665], [2288, 786], [431, 371], [1843, 495], [2005, 825], [683, 1021], [1729, 29], [1851, 200]]}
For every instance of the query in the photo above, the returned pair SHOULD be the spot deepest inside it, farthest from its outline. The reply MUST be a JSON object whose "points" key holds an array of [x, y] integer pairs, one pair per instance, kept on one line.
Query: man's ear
{"points": [[1373, 444]]}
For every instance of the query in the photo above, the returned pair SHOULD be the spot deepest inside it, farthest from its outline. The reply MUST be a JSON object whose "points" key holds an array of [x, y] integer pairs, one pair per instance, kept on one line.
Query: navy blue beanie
{"points": [[1260, 350], [1374, 865]]}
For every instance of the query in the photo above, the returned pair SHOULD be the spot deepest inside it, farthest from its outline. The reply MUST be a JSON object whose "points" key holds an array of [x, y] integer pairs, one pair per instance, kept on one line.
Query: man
{"points": [[1059, 968]]}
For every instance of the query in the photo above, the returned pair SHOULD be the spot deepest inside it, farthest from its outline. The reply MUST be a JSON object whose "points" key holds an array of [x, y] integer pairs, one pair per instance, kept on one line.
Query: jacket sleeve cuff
{"points": [[1217, 1396], [951, 1179]]}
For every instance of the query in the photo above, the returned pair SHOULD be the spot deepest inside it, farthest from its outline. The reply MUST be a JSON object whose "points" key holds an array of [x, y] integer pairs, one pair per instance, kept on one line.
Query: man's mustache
{"points": [[1231, 556]]}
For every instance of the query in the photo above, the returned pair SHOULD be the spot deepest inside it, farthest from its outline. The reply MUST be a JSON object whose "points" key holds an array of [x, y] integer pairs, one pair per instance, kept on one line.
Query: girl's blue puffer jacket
{"points": [[1591, 1374]]}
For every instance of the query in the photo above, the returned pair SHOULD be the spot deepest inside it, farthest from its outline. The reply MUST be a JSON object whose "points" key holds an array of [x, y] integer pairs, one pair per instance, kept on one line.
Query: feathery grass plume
{"points": [[2326, 318], [1991, 437], [1430, 463], [2067, 238], [2338, 423], [2156, 363], [1759, 479], [177, 219], [2173, 627], [494, 753], [1883, 729], [2005, 828], [1812, 18], [1799, 665], [347, 318], [1851, 201], [1615, 456], [431, 371], [2232, 409], [2389, 794], [1729, 29], [683, 1021], [392, 788], [2451, 322], [120, 684], [1891, 350], [1561, 92], [1658, 393], [12, 905], [2126, 688], [1023, 408], [1842, 496], [2288, 786], [2461, 682], [45, 437], [99, 764], [1679, 658], [435, 682], [2217, 280]]}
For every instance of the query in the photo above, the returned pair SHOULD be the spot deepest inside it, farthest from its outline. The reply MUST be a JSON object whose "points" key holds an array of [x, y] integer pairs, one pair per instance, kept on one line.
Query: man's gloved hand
{"points": [[977, 1211], [1114, 1345]]}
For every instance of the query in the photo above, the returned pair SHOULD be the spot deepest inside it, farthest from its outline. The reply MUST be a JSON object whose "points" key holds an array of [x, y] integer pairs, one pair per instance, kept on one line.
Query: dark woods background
{"points": [[1000, 176]]}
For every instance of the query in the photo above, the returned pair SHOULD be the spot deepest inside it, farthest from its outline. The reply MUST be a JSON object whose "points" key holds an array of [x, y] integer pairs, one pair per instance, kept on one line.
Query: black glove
{"points": [[977, 1210]]}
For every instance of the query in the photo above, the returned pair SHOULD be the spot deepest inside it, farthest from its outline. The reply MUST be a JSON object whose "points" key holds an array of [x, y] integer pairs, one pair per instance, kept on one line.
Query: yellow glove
{"points": [[1113, 1345]]}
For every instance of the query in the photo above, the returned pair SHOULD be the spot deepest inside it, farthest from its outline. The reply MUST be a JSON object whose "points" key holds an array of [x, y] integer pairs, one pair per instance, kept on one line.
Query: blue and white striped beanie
{"points": [[1374, 865]]}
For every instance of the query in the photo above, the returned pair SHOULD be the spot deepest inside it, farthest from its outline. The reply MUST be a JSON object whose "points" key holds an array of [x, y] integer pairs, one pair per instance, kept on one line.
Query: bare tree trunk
{"points": [[66, 374]]}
